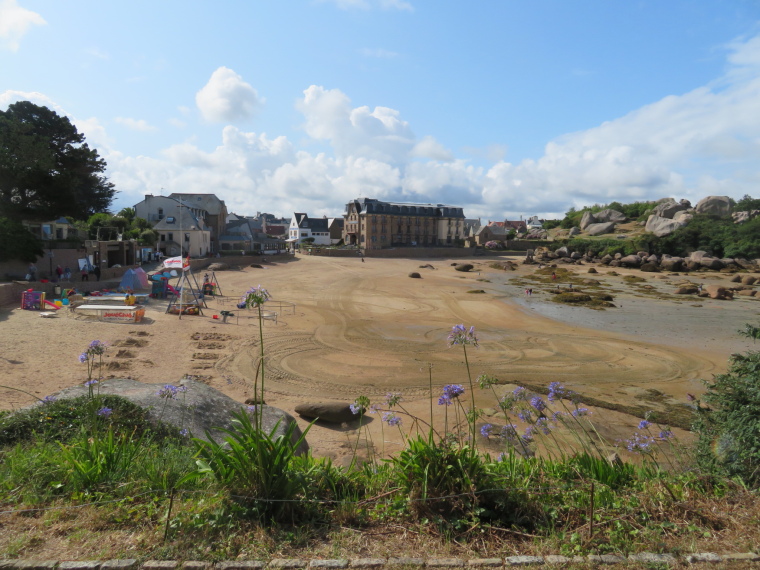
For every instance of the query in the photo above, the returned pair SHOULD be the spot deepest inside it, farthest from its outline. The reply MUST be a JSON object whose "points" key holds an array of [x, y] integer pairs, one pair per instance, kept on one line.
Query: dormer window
{"points": [[170, 219]]}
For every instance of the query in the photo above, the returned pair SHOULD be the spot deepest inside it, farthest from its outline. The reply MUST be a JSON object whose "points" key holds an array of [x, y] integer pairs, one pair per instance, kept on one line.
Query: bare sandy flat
{"points": [[368, 329]]}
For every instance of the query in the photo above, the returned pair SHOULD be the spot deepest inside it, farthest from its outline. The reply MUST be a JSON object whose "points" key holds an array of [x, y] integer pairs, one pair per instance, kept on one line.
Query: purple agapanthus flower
{"points": [[461, 335], [639, 443], [525, 415], [644, 424], [105, 412], [557, 392], [184, 432], [169, 391], [520, 393], [543, 425], [83, 357], [255, 296], [450, 392], [391, 419], [355, 408], [578, 412], [90, 382], [666, 434], [486, 430], [538, 403], [49, 399], [252, 408], [508, 432], [392, 399]]}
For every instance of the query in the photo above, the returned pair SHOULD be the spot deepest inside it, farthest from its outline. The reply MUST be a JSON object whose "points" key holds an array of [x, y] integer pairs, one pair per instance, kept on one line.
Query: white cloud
{"points": [[227, 98], [377, 133], [16, 21], [135, 124], [690, 145], [430, 148]]}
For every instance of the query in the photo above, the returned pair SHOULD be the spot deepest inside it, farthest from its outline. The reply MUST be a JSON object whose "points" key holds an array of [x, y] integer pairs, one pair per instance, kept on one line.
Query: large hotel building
{"points": [[374, 224]]}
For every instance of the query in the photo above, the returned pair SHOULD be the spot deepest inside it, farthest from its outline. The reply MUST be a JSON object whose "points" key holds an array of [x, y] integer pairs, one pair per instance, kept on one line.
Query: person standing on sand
{"points": [[85, 274], [59, 272], [97, 272], [67, 273], [32, 272]]}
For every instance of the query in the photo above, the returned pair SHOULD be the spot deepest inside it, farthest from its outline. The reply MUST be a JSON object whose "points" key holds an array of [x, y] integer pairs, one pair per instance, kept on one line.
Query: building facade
{"points": [[374, 224], [303, 227]]}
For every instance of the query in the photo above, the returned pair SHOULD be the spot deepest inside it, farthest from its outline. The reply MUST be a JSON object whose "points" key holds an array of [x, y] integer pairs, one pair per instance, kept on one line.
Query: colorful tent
{"points": [[134, 281]]}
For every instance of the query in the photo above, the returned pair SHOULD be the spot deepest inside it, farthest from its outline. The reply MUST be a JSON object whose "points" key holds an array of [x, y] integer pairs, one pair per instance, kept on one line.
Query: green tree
{"points": [[47, 170], [17, 243]]}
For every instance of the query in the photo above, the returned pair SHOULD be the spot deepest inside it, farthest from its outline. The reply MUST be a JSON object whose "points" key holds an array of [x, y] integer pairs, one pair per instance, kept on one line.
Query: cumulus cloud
{"points": [[15, 22], [135, 124], [689, 145], [378, 133], [227, 98], [430, 148]]}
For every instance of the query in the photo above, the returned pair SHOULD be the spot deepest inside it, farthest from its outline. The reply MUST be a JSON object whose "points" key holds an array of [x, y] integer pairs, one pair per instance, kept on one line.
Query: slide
{"points": [[56, 307]]}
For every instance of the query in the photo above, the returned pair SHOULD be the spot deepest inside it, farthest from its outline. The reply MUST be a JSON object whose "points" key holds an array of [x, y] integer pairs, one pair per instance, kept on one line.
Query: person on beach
{"points": [[32, 272], [85, 274], [97, 272], [67, 273], [59, 272]]}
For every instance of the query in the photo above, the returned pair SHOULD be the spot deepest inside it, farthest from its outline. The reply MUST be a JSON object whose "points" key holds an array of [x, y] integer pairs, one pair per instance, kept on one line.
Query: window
{"points": [[187, 237], [171, 237], [160, 213], [163, 237], [170, 219]]}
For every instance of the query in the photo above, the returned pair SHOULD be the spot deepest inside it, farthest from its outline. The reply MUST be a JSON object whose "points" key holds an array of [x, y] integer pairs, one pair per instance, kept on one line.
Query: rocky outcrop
{"points": [[661, 227], [218, 267], [574, 231], [717, 292], [200, 409], [601, 228], [587, 219], [741, 217], [609, 215], [669, 207], [465, 267], [415, 275], [630, 261], [714, 206]]}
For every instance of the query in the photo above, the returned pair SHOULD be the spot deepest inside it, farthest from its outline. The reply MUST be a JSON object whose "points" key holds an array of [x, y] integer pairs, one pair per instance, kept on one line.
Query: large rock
{"points": [[332, 412], [599, 229], [718, 292], [465, 267], [218, 267], [609, 215], [661, 227], [200, 409], [574, 231], [684, 216], [714, 206], [672, 264], [561, 252], [741, 217], [669, 208], [712, 263], [587, 219], [630, 261], [748, 279]]}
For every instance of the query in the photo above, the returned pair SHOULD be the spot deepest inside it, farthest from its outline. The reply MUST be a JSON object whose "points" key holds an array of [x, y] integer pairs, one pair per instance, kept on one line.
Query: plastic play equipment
{"points": [[172, 290], [53, 305], [32, 300]]}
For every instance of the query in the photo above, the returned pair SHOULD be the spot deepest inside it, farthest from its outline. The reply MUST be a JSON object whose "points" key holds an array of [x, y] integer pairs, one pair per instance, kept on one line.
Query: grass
{"points": [[77, 482]]}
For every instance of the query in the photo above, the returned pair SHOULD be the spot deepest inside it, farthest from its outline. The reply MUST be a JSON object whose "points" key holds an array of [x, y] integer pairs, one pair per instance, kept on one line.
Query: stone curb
{"points": [[592, 560]]}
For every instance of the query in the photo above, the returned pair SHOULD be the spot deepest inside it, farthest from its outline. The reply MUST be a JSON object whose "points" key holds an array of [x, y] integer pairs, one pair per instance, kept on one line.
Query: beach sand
{"points": [[367, 329]]}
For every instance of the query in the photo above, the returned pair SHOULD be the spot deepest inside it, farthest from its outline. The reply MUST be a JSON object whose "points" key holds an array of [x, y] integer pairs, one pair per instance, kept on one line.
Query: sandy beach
{"points": [[368, 329]]}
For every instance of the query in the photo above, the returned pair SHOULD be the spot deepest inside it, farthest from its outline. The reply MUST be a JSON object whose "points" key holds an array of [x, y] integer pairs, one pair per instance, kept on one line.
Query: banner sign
{"points": [[177, 262]]}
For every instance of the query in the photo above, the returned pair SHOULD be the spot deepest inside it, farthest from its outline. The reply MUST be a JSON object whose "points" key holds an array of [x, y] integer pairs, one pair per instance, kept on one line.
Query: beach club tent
{"points": [[134, 279]]}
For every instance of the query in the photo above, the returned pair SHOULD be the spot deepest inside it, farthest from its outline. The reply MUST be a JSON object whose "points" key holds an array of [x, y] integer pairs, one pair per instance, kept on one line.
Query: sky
{"points": [[506, 108]]}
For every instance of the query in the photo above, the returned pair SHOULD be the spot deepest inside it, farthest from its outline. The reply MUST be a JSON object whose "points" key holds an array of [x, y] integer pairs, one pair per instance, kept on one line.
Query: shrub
{"points": [[729, 425]]}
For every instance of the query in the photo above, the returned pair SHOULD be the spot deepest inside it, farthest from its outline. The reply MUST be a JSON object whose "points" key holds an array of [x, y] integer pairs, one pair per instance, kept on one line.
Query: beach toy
{"points": [[64, 301], [58, 303], [216, 317]]}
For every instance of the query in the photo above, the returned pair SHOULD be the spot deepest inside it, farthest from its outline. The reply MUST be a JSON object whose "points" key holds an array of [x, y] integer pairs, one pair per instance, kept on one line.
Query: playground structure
{"points": [[186, 299]]}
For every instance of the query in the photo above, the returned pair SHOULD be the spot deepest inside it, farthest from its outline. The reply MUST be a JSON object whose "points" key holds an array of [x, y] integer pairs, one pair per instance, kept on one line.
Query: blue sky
{"points": [[504, 107]]}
